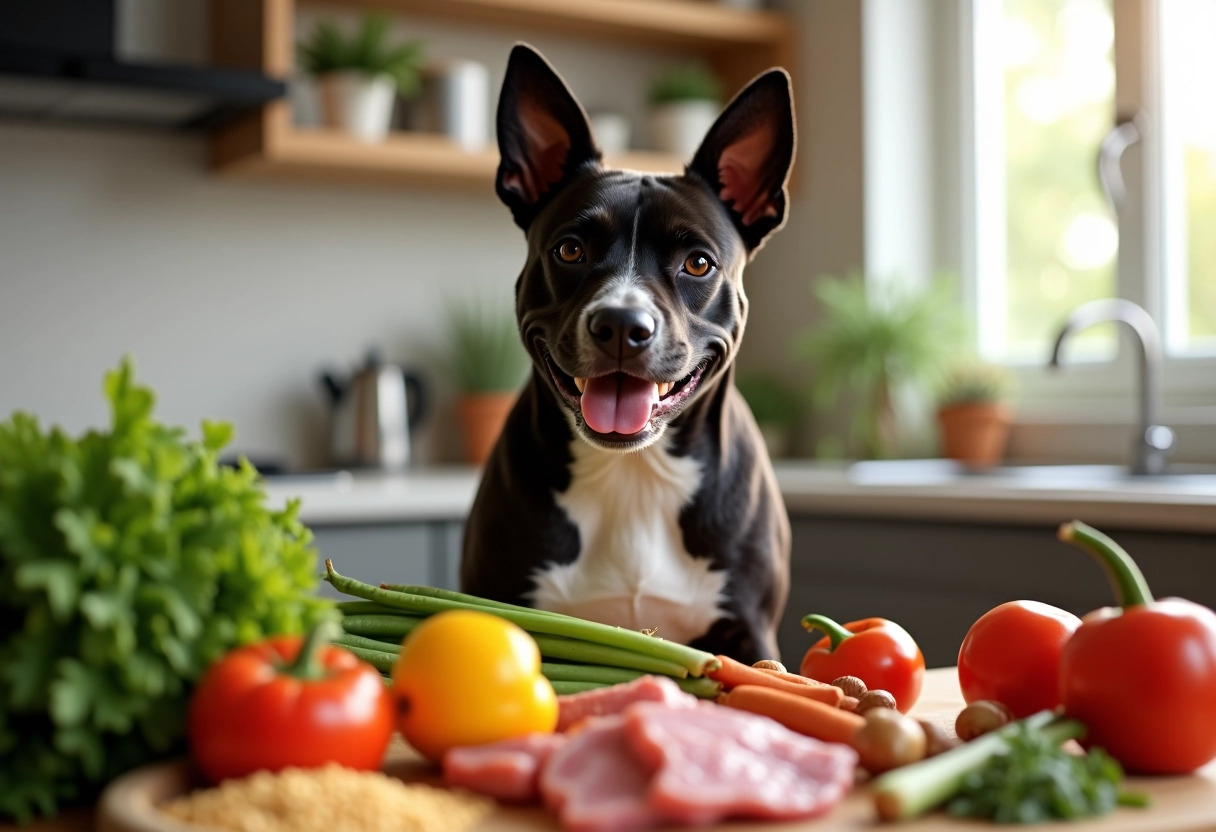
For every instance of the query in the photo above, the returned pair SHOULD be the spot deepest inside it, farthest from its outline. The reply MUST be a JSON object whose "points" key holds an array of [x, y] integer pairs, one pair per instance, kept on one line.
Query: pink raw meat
{"points": [[575, 707], [507, 770], [596, 783], [712, 764]]}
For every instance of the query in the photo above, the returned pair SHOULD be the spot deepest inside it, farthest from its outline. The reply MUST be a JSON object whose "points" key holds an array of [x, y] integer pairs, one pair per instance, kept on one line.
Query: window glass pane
{"points": [[1188, 104], [1061, 235], [1201, 246]]}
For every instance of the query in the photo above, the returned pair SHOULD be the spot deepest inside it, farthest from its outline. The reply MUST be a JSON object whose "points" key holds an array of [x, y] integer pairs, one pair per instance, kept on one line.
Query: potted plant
{"points": [[973, 416], [684, 103], [489, 365], [870, 342], [358, 77], [776, 408]]}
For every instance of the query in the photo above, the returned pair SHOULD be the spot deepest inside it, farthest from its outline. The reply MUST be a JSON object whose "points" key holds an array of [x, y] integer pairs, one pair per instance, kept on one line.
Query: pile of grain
{"points": [[327, 800]]}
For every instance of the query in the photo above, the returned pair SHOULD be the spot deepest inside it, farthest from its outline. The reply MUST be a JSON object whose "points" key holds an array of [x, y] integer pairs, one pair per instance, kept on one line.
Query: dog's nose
{"points": [[622, 331]]}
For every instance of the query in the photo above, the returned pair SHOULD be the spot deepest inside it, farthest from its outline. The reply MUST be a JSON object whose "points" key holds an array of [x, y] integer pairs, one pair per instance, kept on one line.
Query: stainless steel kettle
{"points": [[371, 415]]}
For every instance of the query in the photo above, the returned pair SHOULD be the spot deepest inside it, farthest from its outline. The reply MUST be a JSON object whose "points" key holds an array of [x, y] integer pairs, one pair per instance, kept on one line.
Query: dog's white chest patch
{"points": [[632, 569]]}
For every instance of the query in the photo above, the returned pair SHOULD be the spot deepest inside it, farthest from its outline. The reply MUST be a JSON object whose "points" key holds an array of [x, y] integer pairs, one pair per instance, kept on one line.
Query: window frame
{"points": [[1080, 387]]}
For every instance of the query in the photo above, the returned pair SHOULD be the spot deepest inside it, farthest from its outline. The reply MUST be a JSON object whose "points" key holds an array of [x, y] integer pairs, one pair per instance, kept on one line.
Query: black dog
{"points": [[631, 485]]}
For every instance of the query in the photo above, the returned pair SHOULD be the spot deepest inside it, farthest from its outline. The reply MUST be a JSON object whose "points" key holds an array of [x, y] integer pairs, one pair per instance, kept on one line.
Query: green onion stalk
{"points": [[394, 611]]}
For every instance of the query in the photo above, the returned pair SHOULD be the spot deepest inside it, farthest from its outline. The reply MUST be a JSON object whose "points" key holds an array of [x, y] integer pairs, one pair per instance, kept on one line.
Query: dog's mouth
{"points": [[618, 405]]}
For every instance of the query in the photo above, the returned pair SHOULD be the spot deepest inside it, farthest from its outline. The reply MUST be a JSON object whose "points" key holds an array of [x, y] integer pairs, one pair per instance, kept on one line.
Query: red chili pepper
{"points": [[1141, 676], [289, 701], [876, 651]]}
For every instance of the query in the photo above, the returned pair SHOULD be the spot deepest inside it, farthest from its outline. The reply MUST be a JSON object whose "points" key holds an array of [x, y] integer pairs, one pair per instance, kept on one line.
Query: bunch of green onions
{"points": [[577, 654]]}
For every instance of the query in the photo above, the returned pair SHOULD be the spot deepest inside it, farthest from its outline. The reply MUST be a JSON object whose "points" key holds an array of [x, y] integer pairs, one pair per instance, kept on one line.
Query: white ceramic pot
{"points": [[466, 104], [678, 127], [454, 101], [611, 132], [360, 104]]}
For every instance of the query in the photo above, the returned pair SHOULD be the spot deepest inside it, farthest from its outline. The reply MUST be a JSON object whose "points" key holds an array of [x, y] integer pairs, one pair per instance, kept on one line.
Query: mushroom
{"points": [[980, 717]]}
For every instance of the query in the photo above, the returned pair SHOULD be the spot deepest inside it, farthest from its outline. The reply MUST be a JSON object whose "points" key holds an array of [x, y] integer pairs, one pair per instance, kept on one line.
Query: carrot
{"points": [[732, 674], [798, 713], [796, 679]]}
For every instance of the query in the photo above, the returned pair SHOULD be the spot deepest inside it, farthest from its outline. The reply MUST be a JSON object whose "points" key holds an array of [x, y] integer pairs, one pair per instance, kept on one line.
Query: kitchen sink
{"points": [[1181, 477]]}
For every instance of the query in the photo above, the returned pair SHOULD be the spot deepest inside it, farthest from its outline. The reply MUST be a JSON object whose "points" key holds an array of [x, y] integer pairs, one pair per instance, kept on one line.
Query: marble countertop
{"points": [[922, 489]]}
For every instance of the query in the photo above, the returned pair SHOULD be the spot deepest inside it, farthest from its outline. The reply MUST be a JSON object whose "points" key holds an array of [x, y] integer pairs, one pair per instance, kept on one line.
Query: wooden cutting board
{"points": [[1179, 804]]}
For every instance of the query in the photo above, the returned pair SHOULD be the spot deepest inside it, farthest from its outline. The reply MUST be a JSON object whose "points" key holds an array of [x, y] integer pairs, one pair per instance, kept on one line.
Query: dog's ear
{"points": [[543, 135], [746, 156]]}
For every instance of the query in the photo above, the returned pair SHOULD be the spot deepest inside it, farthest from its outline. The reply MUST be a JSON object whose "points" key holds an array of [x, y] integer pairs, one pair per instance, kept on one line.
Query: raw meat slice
{"points": [[715, 764], [507, 770], [596, 783], [576, 707]]}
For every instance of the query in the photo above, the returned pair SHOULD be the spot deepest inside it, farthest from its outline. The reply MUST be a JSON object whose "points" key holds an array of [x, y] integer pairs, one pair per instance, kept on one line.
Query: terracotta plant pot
{"points": [[975, 433], [482, 416]]}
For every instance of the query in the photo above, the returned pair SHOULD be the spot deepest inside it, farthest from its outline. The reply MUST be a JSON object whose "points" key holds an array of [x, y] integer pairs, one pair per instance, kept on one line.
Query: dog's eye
{"points": [[698, 265], [569, 251]]}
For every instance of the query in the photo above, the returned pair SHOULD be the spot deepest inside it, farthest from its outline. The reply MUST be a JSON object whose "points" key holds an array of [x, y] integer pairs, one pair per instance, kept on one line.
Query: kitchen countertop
{"points": [[937, 490], [921, 489], [341, 497], [1177, 804]]}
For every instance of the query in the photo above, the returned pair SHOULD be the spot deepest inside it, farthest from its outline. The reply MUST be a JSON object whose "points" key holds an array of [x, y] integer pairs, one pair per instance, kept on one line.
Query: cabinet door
{"points": [[937, 578], [449, 538], [391, 554]]}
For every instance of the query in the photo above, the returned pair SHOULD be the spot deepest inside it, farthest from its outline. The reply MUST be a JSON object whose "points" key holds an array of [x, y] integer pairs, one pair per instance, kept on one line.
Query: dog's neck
{"points": [[704, 417]]}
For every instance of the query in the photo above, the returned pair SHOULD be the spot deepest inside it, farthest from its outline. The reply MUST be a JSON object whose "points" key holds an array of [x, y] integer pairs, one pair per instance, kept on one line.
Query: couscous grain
{"points": [[328, 799]]}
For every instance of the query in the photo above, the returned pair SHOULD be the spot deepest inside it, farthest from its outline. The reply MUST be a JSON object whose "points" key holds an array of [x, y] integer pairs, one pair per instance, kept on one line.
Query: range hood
{"points": [[58, 63]]}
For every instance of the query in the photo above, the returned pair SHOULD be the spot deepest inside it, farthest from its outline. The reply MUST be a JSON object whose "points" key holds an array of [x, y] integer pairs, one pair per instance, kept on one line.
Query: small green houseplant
{"points": [[489, 364], [972, 414], [869, 342], [359, 75], [684, 103], [973, 383], [685, 82], [776, 407]]}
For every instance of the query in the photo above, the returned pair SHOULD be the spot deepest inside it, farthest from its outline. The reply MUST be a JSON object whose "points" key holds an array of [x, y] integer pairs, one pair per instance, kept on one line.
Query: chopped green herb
{"points": [[1035, 780]]}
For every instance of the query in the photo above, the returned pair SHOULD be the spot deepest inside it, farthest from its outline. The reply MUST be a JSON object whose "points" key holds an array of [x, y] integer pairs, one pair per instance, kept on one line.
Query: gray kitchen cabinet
{"points": [[398, 553], [936, 578]]}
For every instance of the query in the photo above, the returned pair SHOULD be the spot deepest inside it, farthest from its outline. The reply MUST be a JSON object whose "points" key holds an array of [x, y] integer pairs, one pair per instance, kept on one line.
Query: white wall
{"points": [[825, 232], [232, 295], [900, 138]]}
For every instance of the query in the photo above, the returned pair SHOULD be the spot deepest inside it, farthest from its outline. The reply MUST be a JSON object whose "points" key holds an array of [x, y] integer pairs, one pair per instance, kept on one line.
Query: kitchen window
{"points": [[1188, 139], [1045, 82]]}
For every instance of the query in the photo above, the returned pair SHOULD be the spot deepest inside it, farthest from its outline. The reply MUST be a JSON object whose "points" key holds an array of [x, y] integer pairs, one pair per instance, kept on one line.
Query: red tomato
{"points": [[1012, 655], [288, 701]]}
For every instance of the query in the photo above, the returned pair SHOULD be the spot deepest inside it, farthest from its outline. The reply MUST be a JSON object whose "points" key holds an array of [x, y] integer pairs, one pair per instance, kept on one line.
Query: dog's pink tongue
{"points": [[617, 403]]}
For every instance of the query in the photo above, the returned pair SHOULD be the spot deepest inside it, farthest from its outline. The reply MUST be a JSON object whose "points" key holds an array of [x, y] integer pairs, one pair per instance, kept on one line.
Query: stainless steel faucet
{"points": [[1153, 443]]}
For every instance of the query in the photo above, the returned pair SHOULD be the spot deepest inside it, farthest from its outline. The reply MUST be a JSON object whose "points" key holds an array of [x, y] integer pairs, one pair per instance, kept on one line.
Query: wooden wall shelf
{"points": [[685, 24], [403, 158], [259, 34]]}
